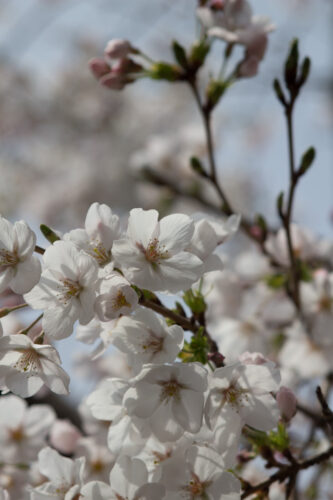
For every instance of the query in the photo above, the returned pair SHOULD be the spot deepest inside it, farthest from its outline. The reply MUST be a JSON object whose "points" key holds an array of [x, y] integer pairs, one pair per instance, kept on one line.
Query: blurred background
{"points": [[66, 142]]}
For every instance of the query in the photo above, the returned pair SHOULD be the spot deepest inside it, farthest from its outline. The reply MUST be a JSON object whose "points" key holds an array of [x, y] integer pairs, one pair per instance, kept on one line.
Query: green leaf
{"points": [[305, 273], [278, 92], [305, 71], [261, 222], [279, 204], [196, 349], [164, 71], [215, 90], [291, 66], [199, 53], [278, 340], [276, 281], [49, 234], [278, 440], [197, 166], [307, 160], [180, 54], [195, 301]]}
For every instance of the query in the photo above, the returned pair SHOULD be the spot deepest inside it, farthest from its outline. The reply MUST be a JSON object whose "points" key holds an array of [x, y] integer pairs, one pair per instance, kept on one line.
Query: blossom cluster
{"points": [[167, 411]]}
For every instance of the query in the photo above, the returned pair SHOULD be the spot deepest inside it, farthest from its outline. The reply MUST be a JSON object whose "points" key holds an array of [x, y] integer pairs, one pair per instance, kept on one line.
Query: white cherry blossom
{"points": [[209, 232], [19, 268], [198, 475], [146, 338], [23, 429], [126, 434], [66, 291], [129, 480], [154, 256], [171, 395], [102, 227], [116, 297], [65, 476], [243, 392], [25, 366]]}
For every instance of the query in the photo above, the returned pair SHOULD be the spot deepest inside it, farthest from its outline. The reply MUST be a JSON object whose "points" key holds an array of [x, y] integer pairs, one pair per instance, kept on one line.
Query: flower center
{"points": [[233, 395], [325, 303], [170, 389], [29, 361], [160, 457], [8, 259], [195, 487], [99, 252], [153, 253], [120, 301], [153, 344], [69, 290], [17, 434], [97, 466]]}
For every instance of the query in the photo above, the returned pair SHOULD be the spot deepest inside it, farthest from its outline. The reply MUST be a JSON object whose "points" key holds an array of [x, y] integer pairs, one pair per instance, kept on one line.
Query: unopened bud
{"points": [[64, 436], [217, 358], [113, 81], [99, 67], [286, 401], [118, 48]]}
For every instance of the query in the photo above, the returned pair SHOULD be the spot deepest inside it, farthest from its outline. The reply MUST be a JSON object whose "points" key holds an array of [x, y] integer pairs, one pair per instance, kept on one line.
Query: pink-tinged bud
{"points": [[99, 67], [286, 401], [217, 4], [113, 81], [217, 358], [256, 231], [64, 436], [118, 49], [252, 358]]}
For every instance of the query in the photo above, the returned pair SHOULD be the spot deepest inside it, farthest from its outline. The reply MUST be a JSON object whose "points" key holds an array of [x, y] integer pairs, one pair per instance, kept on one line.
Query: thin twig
{"points": [[289, 471]]}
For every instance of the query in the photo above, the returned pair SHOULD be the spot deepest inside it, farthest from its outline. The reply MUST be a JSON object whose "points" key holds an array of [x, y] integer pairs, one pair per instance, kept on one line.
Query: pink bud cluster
{"points": [[116, 69]]}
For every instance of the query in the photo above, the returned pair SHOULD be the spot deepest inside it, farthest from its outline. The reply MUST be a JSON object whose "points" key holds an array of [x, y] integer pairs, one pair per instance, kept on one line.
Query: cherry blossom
{"points": [[65, 476], [25, 366], [67, 289], [171, 395], [23, 429], [102, 228], [115, 298], [243, 392], [153, 254], [200, 475], [19, 269], [146, 338]]}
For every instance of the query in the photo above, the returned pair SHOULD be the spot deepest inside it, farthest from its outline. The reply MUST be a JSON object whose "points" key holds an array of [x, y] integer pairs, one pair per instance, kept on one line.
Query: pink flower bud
{"points": [[99, 67], [217, 4], [252, 358], [114, 81], [64, 436], [256, 231], [118, 48], [217, 358], [286, 401]]}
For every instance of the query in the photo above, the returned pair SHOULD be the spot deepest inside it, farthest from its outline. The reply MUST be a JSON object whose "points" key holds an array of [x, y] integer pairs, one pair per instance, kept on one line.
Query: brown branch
{"points": [[286, 217], [226, 208], [39, 249], [289, 471]]}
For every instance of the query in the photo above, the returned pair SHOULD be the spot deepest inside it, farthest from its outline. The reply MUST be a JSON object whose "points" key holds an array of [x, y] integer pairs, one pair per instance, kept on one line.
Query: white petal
{"points": [[142, 225], [176, 231], [27, 275]]}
